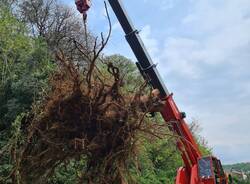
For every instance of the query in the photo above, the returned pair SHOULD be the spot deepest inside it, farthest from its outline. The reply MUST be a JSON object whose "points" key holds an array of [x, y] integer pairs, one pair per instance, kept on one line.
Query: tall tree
{"points": [[24, 66], [56, 23]]}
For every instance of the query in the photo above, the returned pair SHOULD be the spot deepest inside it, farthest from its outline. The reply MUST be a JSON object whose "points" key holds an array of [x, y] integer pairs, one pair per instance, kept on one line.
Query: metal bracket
{"points": [[144, 72], [132, 33], [150, 67]]}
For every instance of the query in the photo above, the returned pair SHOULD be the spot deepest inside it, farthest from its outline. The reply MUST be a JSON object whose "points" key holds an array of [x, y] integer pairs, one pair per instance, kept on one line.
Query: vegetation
{"points": [[35, 80], [240, 181], [239, 167]]}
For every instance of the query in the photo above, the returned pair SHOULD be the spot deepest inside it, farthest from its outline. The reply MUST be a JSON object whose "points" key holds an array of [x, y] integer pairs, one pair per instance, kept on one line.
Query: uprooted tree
{"points": [[85, 113], [89, 122]]}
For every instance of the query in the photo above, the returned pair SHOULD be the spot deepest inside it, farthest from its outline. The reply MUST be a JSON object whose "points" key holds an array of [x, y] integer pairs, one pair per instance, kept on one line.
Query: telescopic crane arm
{"points": [[197, 169]]}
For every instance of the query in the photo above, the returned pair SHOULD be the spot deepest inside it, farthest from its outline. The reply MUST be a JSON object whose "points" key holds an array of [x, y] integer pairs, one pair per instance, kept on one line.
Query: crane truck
{"points": [[197, 169]]}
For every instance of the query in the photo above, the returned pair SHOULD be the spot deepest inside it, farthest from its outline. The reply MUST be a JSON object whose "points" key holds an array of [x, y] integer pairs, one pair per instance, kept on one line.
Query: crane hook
{"points": [[83, 6]]}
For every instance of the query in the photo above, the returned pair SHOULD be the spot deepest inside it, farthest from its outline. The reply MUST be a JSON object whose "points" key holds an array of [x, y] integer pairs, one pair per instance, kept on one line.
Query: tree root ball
{"points": [[83, 114]]}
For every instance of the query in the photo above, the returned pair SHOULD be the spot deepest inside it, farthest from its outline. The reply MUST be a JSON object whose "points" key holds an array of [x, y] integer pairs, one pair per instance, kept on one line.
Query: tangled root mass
{"points": [[84, 114]]}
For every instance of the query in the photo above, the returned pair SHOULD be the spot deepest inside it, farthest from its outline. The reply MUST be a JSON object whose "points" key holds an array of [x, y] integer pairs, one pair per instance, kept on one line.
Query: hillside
{"points": [[239, 166]]}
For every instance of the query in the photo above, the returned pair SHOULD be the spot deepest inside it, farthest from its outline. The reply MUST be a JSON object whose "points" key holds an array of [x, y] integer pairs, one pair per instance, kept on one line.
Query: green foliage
{"points": [[128, 70], [239, 166], [14, 44], [245, 167], [16, 137], [159, 162], [24, 68], [237, 180], [68, 173]]}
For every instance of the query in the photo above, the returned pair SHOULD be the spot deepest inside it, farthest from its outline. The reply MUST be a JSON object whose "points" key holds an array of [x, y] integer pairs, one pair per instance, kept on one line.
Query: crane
{"points": [[197, 169]]}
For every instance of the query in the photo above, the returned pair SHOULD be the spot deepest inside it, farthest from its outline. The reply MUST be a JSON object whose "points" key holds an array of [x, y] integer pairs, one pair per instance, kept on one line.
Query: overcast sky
{"points": [[202, 48]]}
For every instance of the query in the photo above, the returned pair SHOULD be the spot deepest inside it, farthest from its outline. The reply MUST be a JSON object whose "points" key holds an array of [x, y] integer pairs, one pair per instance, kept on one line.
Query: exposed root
{"points": [[83, 116]]}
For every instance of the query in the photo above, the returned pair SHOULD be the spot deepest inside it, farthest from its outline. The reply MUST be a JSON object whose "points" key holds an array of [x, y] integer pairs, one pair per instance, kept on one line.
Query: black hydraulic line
{"points": [[145, 63]]}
